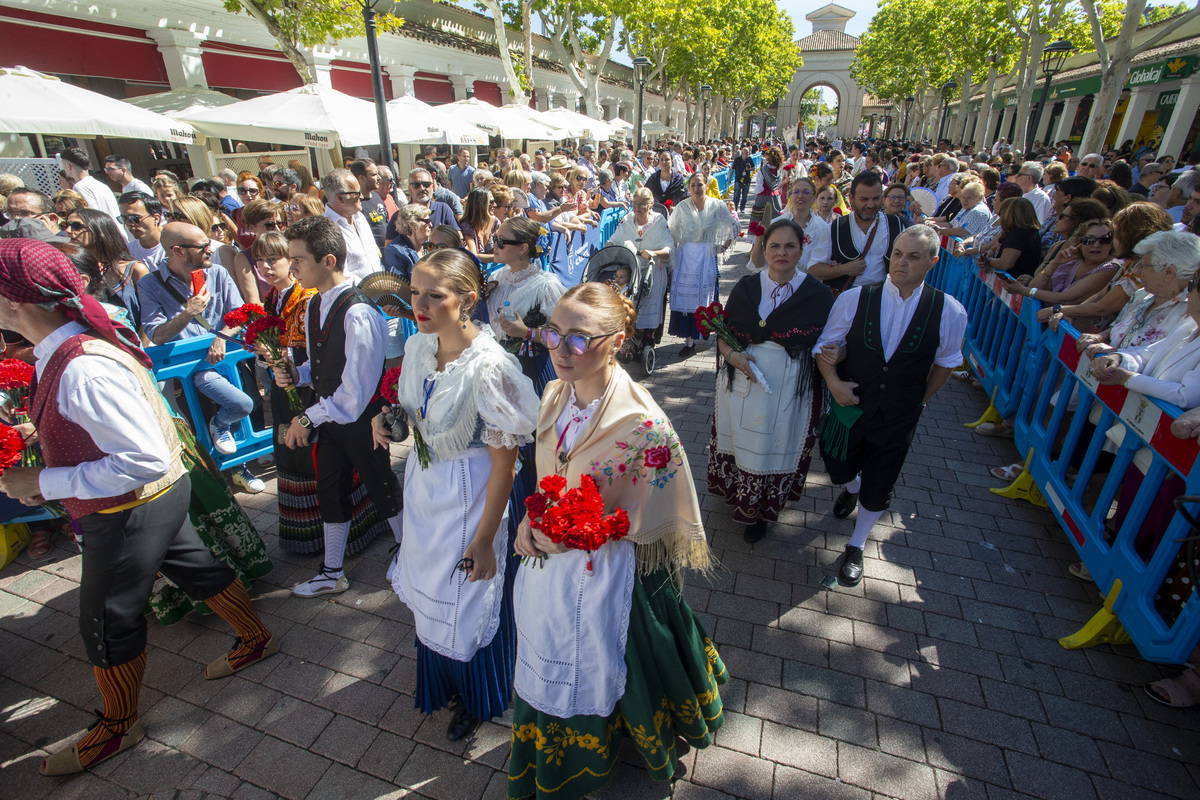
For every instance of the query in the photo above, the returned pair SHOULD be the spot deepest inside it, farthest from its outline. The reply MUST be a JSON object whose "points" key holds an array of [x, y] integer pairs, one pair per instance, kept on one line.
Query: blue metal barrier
{"points": [[1066, 435], [1065, 421], [566, 258], [1002, 332], [182, 360]]}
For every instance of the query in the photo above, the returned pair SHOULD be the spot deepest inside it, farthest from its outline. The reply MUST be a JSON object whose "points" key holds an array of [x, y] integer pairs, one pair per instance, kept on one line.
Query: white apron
{"points": [[442, 509], [565, 674], [764, 432], [694, 283]]}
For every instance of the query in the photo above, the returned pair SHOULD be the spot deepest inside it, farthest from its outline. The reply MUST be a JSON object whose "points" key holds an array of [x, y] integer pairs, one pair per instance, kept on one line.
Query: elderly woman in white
{"points": [[645, 231]]}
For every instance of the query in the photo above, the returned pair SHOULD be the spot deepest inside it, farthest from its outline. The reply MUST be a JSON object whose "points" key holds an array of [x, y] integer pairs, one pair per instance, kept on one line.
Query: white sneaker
{"points": [[325, 582], [247, 480], [222, 439]]}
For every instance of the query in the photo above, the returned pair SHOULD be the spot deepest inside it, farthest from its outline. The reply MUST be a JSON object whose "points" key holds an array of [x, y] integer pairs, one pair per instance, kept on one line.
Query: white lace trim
{"points": [[507, 441]]}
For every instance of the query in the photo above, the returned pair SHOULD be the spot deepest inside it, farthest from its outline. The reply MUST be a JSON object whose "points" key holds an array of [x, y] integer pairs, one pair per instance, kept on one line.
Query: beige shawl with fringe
{"points": [[635, 457]]}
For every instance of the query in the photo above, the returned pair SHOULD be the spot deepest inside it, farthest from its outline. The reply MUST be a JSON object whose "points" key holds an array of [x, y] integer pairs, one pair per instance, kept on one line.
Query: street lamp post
{"points": [[908, 104], [640, 65], [385, 138], [947, 88], [737, 113], [1052, 63], [705, 91]]}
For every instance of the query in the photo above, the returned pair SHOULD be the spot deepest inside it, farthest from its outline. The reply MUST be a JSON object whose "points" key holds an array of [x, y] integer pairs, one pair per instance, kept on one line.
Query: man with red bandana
{"points": [[113, 460]]}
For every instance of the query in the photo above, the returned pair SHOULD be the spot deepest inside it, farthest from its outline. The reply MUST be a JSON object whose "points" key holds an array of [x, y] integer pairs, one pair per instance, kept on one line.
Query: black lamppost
{"points": [[705, 91], [908, 104], [947, 88], [1052, 63], [640, 66], [737, 111], [385, 138]]}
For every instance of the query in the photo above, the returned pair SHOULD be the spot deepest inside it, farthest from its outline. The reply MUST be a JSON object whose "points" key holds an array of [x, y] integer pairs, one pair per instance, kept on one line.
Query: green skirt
{"points": [[670, 690], [222, 525]]}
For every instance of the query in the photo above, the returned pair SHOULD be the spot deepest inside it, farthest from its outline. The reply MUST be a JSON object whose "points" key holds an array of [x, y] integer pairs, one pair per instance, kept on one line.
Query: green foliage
{"points": [[307, 23], [1159, 13]]}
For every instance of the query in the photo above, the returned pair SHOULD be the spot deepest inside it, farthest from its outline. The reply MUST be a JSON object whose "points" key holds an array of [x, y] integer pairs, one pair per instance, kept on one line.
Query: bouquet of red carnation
{"points": [[268, 331], [14, 451], [240, 317], [668, 204], [757, 229], [575, 518], [389, 390], [712, 319]]}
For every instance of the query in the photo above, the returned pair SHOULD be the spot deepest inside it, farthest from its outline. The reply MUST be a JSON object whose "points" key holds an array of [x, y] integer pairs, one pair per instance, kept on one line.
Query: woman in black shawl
{"points": [[765, 424]]}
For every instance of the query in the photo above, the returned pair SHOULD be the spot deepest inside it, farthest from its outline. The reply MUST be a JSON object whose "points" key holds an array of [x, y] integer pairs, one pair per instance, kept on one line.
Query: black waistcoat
{"points": [[891, 391], [327, 343]]}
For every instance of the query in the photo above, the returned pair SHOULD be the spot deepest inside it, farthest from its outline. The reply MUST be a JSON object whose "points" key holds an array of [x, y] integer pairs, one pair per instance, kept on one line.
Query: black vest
{"points": [[327, 343], [892, 391], [842, 240]]}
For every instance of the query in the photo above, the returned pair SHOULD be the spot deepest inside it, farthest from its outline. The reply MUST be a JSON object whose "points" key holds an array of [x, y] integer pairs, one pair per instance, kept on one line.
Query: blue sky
{"points": [[865, 9]]}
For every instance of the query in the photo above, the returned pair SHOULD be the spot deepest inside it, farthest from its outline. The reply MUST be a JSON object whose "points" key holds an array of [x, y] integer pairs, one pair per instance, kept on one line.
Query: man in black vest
{"points": [[341, 323], [886, 349], [861, 240]]}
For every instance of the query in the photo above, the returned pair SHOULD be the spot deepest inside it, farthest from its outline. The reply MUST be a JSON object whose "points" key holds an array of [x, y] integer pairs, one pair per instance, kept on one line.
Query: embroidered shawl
{"points": [[631, 450]]}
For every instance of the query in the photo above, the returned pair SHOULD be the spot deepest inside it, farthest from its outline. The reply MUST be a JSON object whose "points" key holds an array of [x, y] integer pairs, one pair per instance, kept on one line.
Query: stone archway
{"points": [[827, 54]]}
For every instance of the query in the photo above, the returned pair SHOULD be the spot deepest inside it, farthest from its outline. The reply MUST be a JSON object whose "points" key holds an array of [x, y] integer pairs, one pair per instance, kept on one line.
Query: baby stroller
{"points": [[602, 267]]}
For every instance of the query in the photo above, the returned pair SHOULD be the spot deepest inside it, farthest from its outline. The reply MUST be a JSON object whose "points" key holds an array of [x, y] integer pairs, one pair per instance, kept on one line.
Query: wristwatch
{"points": [[304, 421]]}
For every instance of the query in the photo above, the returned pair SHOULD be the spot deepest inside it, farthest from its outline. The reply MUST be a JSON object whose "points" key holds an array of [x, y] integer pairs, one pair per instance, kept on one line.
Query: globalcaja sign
{"points": [[1172, 69]]}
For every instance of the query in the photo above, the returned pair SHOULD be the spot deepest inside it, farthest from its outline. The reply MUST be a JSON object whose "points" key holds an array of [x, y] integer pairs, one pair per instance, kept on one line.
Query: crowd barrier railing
{"points": [[1087, 447], [567, 256], [181, 360]]}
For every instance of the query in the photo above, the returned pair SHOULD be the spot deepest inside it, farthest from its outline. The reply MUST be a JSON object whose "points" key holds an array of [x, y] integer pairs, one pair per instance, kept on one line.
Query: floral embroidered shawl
{"points": [[630, 448], [293, 312]]}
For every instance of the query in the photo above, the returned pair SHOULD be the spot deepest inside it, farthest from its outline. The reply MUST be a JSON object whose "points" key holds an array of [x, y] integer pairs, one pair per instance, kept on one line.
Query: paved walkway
{"points": [[938, 677]]}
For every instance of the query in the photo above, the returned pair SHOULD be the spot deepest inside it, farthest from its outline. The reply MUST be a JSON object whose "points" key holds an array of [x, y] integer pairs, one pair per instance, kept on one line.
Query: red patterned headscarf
{"points": [[37, 273]]}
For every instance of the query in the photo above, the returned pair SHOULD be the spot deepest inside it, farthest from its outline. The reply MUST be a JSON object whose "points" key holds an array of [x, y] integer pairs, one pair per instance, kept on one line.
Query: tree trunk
{"points": [[516, 92], [967, 91], [527, 35], [286, 44], [984, 138]]}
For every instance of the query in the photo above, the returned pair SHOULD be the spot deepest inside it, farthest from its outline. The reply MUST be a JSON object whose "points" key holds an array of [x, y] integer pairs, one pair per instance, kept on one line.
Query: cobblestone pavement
{"points": [[938, 677]]}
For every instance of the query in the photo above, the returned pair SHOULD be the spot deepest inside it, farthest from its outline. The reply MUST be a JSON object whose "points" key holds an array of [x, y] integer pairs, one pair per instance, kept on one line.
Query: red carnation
{"points": [[239, 317], [757, 229], [15, 374], [668, 203], [575, 519], [269, 328], [11, 447], [553, 484], [389, 386]]}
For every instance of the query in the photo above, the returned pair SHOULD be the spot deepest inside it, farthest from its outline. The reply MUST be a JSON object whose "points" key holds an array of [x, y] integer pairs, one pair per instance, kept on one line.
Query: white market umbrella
{"points": [[454, 131], [507, 122], [33, 102], [579, 126], [655, 128], [617, 122], [310, 116], [182, 101]]}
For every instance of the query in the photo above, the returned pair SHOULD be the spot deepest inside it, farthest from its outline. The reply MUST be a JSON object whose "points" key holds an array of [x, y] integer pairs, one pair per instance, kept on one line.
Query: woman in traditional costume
{"points": [[700, 227], [470, 408], [606, 645], [763, 432], [647, 233], [817, 243]]}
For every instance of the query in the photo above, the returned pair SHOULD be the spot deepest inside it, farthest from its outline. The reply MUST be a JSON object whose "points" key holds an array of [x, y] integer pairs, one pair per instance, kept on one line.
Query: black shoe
{"points": [[845, 503], [851, 573], [687, 351], [755, 531], [461, 724]]}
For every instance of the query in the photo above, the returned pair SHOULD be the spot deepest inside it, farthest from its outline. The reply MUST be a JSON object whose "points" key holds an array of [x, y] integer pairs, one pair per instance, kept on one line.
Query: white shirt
{"points": [[366, 338], [101, 198], [819, 246], [895, 314], [104, 398], [942, 192], [150, 256], [1042, 204], [362, 254], [767, 303], [877, 257], [137, 185], [858, 165]]}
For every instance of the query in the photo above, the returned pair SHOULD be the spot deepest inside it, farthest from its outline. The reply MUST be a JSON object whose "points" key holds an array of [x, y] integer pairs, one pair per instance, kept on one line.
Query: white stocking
{"points": [[855, 485], [395, 524], [863, 524], [336, 534]]}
